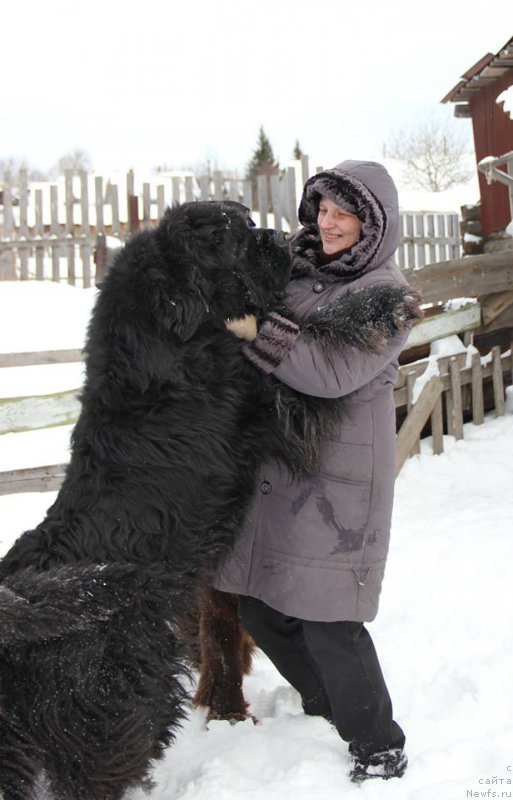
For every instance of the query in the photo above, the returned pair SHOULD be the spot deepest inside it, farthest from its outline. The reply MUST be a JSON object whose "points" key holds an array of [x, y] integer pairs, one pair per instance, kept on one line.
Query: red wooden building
{"points": [[475, 96]]}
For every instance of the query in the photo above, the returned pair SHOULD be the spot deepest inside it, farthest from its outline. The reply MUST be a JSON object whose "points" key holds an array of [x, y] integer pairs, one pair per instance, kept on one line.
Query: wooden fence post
{"points": [[7, 264], [411, 377], [498, 383], [455, 421], [477, 391], [416, 419], [24, 252], [437, 427]]}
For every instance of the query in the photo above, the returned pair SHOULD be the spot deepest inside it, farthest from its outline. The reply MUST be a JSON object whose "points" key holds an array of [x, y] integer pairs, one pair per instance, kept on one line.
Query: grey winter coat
{"points": [[316, 549]]}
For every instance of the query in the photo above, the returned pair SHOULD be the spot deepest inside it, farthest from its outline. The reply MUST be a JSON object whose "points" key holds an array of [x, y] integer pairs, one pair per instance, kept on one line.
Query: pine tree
{"points": [[263, 161], [298, 153]]}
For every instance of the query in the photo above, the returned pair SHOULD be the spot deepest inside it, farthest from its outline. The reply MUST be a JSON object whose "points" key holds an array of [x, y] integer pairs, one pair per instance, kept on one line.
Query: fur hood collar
{"points": [[364, 188]]}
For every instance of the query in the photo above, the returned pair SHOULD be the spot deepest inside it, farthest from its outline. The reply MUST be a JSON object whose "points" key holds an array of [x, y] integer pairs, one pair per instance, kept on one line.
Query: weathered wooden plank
{"points": [[161, 200], [54, 233], [276, 202], [455, 421], [305, 169], [39, 231], [420, 254], [7, 217], [263, 200], [411, 377], [204, 184], [233, 189], [85, 256], [132, 209], [40, 357], [31, 241], [189, 189], [492, 305], [246, 193], [445, 324], [98, 204], [471, 276], [114, 204], [454, 232], [442, 236], [430, 225], [35, 479], [69, 200], [85, 229], [146, 205], [437, 427], [7, 260], [498, 383], [416, 419], [477, 390], [218, 185], [24, 252], [410, 247], [291, 194], [30, 413]]}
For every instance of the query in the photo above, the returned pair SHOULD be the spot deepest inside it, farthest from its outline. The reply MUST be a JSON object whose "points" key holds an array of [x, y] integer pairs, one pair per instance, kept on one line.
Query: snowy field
{"points": [[443, 632]]}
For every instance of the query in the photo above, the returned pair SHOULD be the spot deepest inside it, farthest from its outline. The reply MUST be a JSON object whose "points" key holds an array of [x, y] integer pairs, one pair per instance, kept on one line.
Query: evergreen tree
{"points": [[262, 161], [298, 153]]}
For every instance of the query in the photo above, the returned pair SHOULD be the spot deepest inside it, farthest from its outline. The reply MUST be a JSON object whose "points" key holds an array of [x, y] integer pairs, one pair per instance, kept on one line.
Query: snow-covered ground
{"points": [[443, 632]]}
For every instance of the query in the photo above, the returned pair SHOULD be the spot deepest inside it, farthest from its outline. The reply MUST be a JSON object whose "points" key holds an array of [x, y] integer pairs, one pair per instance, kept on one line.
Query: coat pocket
{"points": [[347, 463]]}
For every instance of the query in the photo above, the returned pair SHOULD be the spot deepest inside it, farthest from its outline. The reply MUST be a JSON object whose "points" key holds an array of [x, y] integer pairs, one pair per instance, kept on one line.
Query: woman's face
{"points": [[338, 228]]}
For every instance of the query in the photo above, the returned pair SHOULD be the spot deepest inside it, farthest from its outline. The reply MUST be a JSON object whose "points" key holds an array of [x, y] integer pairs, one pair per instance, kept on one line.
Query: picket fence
{"points": [[58, 231]]}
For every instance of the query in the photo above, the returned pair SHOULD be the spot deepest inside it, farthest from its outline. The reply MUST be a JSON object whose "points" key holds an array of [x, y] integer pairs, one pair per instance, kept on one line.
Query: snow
{"points": [[440, 348], [443, 632], [506, 97]]}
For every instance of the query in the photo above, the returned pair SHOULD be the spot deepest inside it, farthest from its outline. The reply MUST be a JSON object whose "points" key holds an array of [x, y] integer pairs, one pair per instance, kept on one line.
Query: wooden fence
{"points": [[448, 397], [455, 392], [51, 231]]}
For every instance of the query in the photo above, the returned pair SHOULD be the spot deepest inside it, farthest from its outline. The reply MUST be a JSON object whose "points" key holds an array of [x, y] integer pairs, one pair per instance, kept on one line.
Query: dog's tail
{"points": [[38, 606]]}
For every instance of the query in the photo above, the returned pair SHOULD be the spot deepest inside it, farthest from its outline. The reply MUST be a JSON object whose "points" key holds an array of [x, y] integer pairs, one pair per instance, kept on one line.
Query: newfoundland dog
{"points": [[174, 424]]}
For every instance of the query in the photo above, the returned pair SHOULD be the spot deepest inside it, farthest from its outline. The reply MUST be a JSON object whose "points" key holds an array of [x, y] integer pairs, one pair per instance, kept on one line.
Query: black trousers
{"points": [[335, 669]]}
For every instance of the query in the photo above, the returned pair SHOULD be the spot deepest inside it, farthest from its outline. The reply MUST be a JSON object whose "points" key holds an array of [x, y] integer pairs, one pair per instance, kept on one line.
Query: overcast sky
{"points": [[136, 84]]}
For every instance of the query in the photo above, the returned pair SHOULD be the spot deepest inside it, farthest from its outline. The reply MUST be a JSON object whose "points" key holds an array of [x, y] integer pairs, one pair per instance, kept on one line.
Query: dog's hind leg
{"points": [[20, 763], [225, 657]]}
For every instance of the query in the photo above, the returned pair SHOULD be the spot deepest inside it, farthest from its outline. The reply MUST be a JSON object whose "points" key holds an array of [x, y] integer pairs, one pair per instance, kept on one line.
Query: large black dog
{"points": [[174, 423]]}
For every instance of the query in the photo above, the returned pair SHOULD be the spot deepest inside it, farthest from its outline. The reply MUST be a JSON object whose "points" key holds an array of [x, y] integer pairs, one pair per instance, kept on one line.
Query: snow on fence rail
{"points": [[455, 391], [52, 231]]}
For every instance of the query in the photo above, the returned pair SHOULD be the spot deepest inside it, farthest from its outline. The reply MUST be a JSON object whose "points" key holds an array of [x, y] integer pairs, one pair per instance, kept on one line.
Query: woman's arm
{"points": [[340, 347], [308, 367]]}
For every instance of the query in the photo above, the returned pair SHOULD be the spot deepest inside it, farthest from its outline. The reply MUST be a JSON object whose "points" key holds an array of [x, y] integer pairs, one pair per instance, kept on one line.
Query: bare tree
{"points": [[14, 165], [74, 160], [434, 154]]}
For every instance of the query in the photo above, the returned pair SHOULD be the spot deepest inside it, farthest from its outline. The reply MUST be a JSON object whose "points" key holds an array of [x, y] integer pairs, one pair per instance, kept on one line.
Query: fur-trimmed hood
{"points": [[364, 188]]}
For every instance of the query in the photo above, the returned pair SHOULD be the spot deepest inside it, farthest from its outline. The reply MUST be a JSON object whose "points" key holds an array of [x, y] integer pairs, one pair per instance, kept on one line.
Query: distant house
{"points": [[475, 96]]}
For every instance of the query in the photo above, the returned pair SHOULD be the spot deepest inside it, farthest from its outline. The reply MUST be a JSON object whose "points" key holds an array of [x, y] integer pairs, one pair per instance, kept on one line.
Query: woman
{"points": [[310, 560]]}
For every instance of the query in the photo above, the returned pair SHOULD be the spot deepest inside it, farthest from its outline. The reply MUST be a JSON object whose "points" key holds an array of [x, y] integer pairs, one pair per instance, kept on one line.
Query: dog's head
{"points": [[214, 264]]}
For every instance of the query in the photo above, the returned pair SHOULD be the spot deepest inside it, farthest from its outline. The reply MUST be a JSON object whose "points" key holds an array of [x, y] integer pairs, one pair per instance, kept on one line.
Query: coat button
{"points": [[265, 487], [318, 287]]}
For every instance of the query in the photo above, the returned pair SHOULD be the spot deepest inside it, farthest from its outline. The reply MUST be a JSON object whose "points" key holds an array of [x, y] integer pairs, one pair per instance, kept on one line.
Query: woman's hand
{"points": [[244, 328]]}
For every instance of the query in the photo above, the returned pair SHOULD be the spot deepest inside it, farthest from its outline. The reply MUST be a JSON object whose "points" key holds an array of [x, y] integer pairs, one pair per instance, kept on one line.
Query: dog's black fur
{"points": [[174, 423]]}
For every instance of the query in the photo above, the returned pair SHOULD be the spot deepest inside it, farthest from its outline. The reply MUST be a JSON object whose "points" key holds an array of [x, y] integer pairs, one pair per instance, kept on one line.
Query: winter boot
{"points": [[384, 764]]}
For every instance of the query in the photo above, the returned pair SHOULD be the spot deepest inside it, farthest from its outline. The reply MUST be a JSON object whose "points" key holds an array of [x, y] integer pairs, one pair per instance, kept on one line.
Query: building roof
{"points": [[482, 74]]}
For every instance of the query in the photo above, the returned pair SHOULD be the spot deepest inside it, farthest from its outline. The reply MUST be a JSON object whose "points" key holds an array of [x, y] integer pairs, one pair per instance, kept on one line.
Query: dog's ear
{"points": [[197, 242], [185, 314]]}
